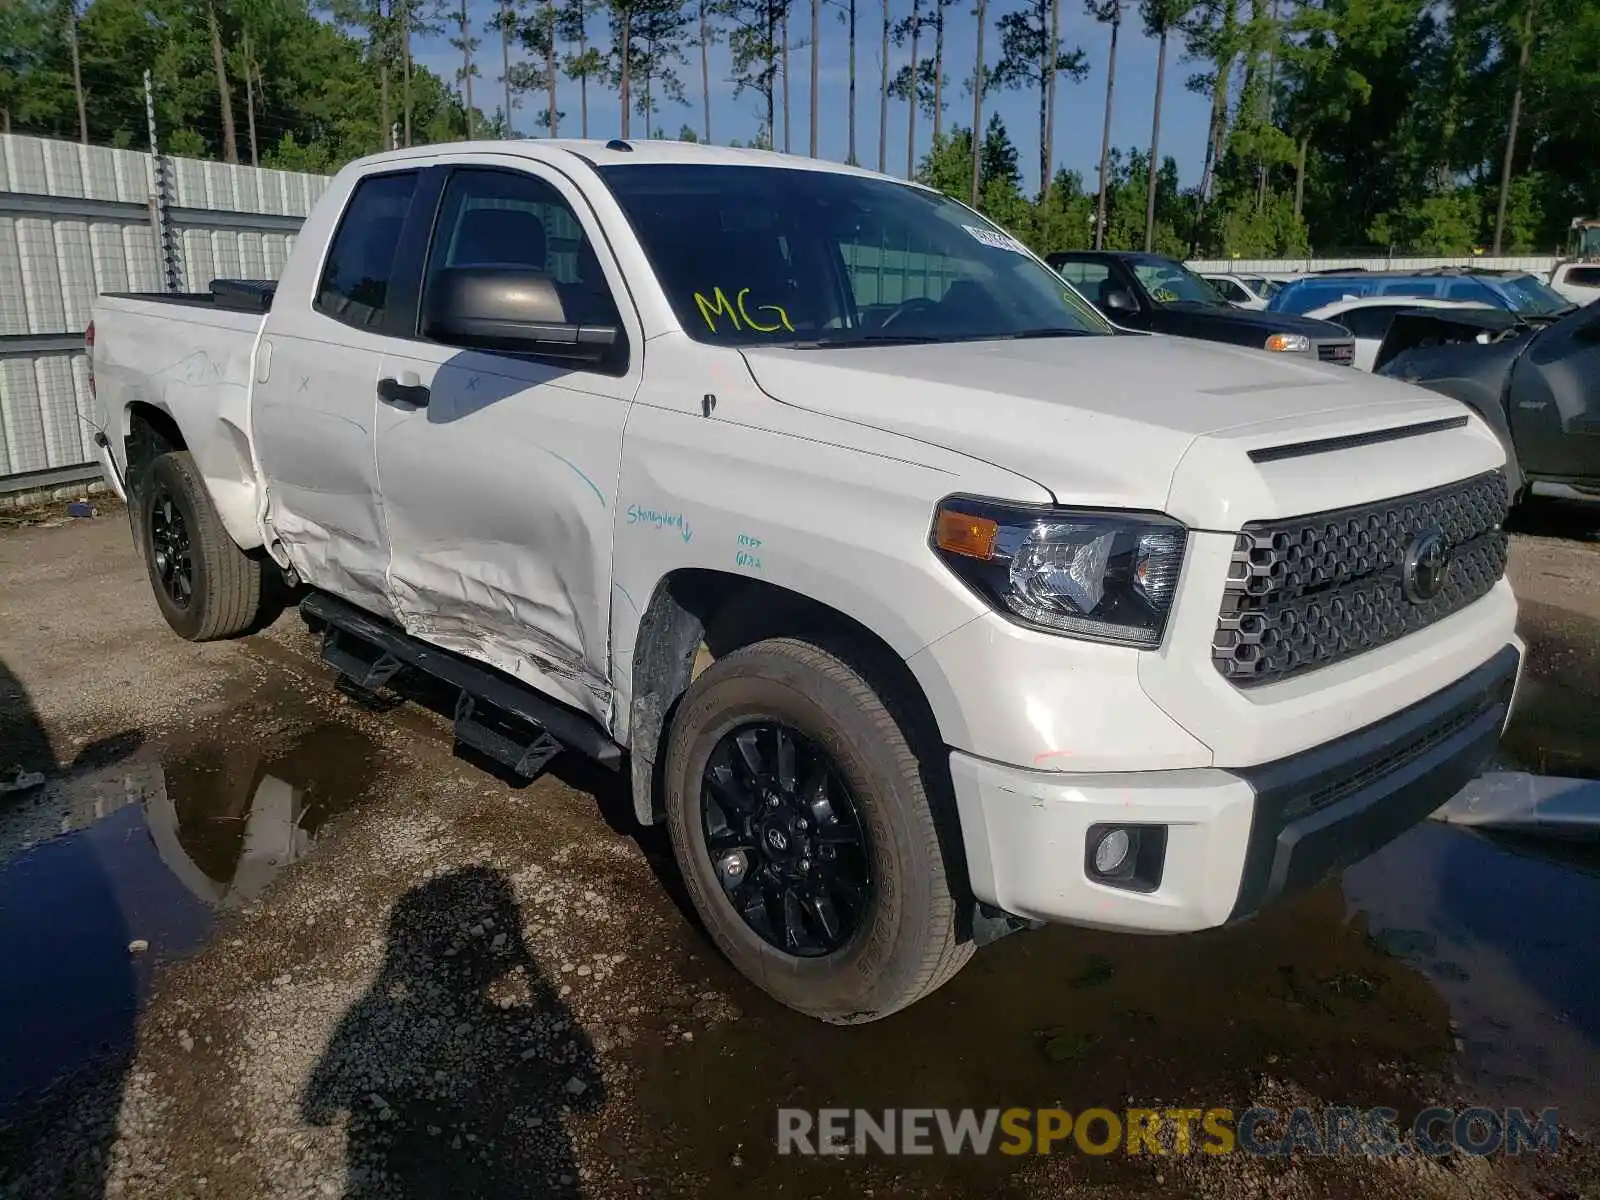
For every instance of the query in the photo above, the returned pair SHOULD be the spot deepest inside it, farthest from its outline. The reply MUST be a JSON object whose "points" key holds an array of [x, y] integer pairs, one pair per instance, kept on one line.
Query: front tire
{"points": [[802, 827], [206, 587]]}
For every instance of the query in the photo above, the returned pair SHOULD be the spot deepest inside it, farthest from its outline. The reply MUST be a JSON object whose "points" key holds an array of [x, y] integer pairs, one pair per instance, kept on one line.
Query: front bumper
{"points": [[1236, 840]]}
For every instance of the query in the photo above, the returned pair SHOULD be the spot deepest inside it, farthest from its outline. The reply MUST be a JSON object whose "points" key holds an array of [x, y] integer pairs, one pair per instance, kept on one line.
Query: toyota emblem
{"points": [[1426, 566]]}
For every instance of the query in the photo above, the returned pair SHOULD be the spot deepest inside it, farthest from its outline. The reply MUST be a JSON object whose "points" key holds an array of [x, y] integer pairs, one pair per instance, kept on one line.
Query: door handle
{"points": [[392, 391]]}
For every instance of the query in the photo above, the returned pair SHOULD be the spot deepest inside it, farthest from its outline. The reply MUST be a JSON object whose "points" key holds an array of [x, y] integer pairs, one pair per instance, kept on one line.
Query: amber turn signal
{"points": [[961, 533]]}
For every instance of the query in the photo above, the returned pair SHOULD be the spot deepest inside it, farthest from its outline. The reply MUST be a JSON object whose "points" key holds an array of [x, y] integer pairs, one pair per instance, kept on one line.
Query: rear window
{"points": [[1371, 322], [355, 277]]}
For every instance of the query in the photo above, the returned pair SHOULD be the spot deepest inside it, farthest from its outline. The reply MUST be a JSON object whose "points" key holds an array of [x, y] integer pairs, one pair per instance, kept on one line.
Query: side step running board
{"points": [[494, 714]]}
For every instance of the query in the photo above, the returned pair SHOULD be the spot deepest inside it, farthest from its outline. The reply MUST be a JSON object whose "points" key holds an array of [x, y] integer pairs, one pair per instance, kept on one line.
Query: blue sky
{"points": [[1079, 106]]}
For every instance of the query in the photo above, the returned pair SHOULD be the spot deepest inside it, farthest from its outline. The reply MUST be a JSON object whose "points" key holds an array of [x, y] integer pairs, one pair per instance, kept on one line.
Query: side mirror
{"points": [[1118, 300], [516, 310]]}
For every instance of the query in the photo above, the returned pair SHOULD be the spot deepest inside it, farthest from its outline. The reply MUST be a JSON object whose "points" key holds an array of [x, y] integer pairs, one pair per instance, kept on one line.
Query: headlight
{"points": [[1289, 343], [1107, 577]]}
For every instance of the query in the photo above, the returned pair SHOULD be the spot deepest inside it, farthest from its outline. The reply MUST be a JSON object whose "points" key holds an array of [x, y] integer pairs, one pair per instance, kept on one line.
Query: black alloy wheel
{"points": [[171, 550], [785, 839]]}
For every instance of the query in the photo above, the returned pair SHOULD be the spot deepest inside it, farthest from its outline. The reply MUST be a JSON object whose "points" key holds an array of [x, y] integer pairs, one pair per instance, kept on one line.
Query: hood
{"points": [[1200, 316], [1106, 421]]}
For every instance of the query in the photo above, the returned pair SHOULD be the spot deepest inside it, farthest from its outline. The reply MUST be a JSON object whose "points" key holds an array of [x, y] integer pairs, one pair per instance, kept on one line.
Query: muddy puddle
{"points": [[107, 872], [1503, 927], [1356, 992]]}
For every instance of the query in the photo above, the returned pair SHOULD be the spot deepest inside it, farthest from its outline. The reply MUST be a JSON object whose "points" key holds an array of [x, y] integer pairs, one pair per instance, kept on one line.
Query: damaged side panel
{"points": [[498, 499], [311, 422], [751, 491]]}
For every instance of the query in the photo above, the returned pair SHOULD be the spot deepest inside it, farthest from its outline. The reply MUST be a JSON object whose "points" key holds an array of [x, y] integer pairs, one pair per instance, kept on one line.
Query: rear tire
{"points": [[885, 951], [206, 587]]}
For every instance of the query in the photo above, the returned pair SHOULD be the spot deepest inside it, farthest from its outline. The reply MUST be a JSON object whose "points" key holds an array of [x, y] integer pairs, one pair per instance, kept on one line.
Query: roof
{"points": [[618, 152], [1391, 300], [1415, 273]]}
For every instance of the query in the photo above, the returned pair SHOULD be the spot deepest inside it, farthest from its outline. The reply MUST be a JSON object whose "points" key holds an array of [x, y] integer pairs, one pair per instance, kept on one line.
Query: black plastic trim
{"points": [[1351, 441], [404, 297], [1319, 811], [569, 727]]}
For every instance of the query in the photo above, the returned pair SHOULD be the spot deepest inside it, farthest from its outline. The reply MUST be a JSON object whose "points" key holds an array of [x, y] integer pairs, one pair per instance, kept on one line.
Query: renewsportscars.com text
{"points": [[1167, 1131]]}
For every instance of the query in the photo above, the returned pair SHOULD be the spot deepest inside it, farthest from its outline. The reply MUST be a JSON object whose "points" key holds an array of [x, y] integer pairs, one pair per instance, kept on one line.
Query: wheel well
{"points": [[695, 611], [151, 433]]}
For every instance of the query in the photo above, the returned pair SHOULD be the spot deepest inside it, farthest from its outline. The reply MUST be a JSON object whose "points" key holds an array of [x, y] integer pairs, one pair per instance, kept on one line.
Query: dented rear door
{"points": [[499, 494]]}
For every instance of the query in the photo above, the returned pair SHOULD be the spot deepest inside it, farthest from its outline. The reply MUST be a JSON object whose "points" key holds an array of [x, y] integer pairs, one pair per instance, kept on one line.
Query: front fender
{"points": [[838, 525]]}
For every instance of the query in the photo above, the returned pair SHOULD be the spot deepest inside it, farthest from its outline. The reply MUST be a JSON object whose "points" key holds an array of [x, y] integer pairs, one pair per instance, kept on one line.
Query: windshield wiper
{"points": [[908, 339], [1047, 332], [869, 339]]}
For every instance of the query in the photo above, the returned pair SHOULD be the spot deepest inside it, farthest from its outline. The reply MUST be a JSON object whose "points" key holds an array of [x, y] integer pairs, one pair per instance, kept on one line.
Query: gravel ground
{"points": [[460, 987]]}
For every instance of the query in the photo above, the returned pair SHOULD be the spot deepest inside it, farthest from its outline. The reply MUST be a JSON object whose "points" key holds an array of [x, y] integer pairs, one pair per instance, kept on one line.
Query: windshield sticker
{"points": [[1163, 295], [994, 239], [737, 312]]}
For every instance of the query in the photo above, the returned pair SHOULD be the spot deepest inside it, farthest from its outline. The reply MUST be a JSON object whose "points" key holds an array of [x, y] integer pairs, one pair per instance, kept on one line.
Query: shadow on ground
{"points": [[457, 1071]]}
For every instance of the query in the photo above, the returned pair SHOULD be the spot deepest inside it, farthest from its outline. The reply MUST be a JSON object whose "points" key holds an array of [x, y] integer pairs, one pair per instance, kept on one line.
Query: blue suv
{"points": [[1517, 292]]}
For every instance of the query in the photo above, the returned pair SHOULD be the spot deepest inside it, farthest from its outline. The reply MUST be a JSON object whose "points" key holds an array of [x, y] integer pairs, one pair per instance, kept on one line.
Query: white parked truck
{"points": [[920, 603]]}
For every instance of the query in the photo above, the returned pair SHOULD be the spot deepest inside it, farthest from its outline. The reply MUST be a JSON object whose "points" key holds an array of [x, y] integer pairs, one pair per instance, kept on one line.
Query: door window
{"points": [[491, 218], [1409, 287], [1087, 275], [1584, 276], [1230, 290], [1095, 280], [355, 278], [1468, 289]]}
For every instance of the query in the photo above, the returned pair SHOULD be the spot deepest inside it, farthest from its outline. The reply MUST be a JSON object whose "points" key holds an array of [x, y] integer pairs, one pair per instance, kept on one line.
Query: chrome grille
{"points": [[1304, 592], [1343, 353]]}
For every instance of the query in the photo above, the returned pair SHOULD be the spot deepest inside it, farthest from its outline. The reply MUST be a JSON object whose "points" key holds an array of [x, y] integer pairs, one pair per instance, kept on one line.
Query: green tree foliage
{"points": [[1032, 55], [317, 88], [1336, 126], [753, 41], [1062, 218]]}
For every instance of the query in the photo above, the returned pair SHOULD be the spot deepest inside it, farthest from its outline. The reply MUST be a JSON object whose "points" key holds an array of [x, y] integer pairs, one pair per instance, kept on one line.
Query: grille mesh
{"points": [[1304, 592]]}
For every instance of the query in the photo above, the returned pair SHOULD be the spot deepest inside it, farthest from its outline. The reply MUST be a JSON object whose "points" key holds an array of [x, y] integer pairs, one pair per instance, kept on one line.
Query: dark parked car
{"points": [[1537, 385], [1154, 293]]}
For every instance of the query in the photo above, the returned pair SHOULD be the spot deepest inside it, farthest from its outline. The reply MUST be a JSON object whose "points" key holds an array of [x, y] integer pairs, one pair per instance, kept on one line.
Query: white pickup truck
{"points": [[922, 604]]}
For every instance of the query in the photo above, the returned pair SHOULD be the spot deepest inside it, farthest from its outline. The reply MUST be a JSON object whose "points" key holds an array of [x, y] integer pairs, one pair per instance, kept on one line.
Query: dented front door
{"points": [[499, 493]]}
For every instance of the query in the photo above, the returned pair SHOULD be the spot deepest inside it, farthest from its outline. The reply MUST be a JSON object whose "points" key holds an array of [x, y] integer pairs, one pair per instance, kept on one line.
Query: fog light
{"points": [[1113, 852], [1131, 857]]}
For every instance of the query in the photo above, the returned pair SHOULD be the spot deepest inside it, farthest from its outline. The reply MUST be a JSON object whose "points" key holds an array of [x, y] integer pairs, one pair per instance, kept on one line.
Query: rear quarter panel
{"points": [[196, 365]]}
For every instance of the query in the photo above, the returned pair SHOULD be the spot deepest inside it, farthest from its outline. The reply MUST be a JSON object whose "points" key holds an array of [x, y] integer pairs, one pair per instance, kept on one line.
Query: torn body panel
{"points": [[311, 425], [498, 500]]}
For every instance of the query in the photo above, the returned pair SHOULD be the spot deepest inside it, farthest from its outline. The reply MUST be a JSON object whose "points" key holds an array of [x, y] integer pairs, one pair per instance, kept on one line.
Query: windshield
{"points": [[779, 256], [1172, 283], [1532, 297]]}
